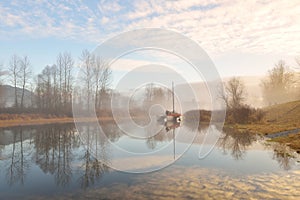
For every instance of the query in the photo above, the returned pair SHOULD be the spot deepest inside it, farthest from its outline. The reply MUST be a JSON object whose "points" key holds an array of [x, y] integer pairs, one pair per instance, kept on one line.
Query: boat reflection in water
{"points": [[171, 125], [171, 119], [52, 161]]}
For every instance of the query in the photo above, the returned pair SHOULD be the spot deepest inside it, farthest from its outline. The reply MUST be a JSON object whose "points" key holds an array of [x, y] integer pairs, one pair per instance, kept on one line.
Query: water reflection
{"points": [[58, 154], [53, 151], [236, 142], [18, 160], [284, 155], [56, 150], [92, 168]]}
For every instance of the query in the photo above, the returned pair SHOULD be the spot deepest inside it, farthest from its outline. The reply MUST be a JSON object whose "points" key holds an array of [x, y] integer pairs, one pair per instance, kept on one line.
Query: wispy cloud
{"points": [[219, 26]]}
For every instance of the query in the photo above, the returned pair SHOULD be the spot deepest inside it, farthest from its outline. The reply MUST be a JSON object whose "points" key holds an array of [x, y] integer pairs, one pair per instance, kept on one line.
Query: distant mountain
{"points": [[7, 96]]}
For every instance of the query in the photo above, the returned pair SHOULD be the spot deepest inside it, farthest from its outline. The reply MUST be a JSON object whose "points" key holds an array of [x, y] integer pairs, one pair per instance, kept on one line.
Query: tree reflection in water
{"points": [[236, 141], [58, 150], [92, 167], [284, 155], [53, 154], [19, 162], [55, 149]]}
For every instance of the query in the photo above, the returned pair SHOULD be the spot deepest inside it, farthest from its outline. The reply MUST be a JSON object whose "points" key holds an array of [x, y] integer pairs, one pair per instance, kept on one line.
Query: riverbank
{"points": [[281, 118], [43, 121]]}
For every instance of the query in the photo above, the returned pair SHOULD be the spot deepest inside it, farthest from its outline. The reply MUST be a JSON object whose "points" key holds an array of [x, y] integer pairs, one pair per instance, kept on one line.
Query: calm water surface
{"points": [[55, 161]]}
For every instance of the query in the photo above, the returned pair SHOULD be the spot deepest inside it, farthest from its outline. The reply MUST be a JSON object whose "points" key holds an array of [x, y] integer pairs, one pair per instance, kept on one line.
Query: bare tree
{"points": [[54, 86], [278, 84], [2, 100], [59, 64], [68, 64], [149, 93], [87, 75], [1, 73], [155, 94], [98, 71], [14, 71], [25, 75], [105, 81], [96, 76], [65, 64], [235, 93], [47, 90]]}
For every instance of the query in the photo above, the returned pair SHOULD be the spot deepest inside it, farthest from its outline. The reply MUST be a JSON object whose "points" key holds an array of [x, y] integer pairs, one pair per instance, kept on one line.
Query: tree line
{"points": [[54, 89], [54, 85]]}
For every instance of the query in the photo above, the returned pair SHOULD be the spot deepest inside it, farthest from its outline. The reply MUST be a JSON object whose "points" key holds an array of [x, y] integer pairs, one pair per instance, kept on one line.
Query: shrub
{"points": [[244, 114]]}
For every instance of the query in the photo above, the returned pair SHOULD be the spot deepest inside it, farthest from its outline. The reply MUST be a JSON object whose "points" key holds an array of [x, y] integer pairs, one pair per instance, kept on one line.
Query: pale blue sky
{"points": [[241, 37]]}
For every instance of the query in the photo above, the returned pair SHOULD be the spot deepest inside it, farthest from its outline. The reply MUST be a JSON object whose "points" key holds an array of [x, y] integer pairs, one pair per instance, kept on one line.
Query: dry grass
{"points": [[279, 118], [287, 113], [11, 120], [292, 141], [27, 121]]}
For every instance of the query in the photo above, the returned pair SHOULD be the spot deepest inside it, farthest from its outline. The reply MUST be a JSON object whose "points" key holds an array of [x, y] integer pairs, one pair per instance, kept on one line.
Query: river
{"points": [[63, 161]]}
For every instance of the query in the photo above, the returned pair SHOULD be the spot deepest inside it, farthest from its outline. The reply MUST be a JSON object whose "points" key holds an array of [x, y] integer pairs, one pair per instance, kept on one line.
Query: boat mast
{"points": [[173, 96]]}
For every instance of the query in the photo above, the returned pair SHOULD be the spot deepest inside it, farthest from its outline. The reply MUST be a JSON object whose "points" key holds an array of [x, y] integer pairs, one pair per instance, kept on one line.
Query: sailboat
{"points": [[171, 119]]}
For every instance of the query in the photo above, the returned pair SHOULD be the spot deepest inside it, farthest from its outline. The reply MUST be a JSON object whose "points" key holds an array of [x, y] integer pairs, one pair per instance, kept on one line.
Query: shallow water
{"points": [[43, 162]]}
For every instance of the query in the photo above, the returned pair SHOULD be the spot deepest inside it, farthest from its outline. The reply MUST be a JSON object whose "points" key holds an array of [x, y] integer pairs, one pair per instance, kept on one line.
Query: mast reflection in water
{"points": [[52, 159]]}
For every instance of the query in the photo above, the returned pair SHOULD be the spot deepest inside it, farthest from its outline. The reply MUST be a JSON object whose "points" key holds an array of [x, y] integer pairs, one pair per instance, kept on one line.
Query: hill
{"points": [[280, 117], [7, 96], [287, 113]]}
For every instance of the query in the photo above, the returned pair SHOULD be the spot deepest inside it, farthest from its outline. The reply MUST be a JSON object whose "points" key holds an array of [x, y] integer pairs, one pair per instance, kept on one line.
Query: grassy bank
{"points": [[292, 141], [11, 120], [279, 118]]}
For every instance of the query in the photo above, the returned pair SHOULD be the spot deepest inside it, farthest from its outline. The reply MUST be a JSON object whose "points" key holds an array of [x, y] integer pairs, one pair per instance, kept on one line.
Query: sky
{"points": [[242, 38]]}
